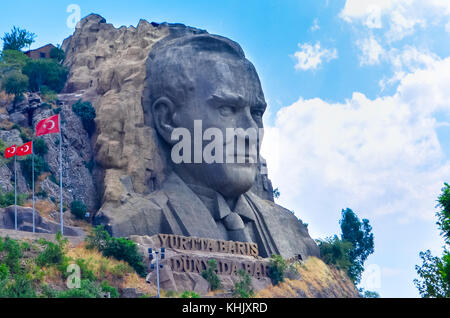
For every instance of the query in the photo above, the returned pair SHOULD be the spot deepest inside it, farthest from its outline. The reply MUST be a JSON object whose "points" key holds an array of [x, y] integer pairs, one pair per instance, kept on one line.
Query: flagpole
{"points": [[15, 192], [32, 160], [60, 177]]}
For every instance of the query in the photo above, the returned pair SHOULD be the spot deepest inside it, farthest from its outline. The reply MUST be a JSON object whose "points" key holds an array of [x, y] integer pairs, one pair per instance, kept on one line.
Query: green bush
{"points": [[78, 209], [2, 146], [52, 255], [88, 289], [277, 269], [13, 254], [24, 136], [86, 112], [120, 248], [40, 166], [86, 272], [189, 294], [335, 252], [126, 250], [25, 246], [4, 272], [48, 95], [40, 147], [46, 106], [12, 61], [106, 288], [98, 238], [7, 199], [210, 275], [243, 288], [45, 72], [15, 83], [42, 194], [19, 287], [57, 54]]}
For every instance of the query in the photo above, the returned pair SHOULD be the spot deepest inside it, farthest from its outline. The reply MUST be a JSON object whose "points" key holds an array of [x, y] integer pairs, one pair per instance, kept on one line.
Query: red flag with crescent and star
{"points": [[48, 125], [10, 152], [25, 149]]}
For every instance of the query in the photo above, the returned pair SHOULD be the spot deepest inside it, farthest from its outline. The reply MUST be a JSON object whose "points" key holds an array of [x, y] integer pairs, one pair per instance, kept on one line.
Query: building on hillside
{"points": [[40, 53]]}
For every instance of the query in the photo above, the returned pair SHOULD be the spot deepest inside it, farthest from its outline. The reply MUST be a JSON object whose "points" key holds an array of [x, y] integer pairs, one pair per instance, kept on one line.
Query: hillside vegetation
{"points": [[39, 268]]}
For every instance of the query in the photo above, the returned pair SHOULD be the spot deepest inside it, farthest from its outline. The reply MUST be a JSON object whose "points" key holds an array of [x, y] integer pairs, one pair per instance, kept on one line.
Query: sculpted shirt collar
{"points": [[218, 207]]}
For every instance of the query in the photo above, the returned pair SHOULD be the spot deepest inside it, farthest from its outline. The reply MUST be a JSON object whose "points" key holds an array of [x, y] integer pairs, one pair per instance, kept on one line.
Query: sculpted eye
{"points": [[257, 113], [226, 110]]}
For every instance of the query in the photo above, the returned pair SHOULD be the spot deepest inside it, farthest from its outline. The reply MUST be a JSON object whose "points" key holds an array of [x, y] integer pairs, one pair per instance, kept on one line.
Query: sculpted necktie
{"points": [[233, 222], [220, 211]]}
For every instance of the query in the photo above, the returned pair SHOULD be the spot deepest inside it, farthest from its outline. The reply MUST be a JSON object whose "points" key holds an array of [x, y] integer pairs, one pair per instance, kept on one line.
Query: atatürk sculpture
{"points": [[202, 77]]}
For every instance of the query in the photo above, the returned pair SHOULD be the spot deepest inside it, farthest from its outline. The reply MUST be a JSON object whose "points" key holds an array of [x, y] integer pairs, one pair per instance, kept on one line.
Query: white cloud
{"points": [[315, 25], [447, 27], [356, 9], [405, 61], [379, 156], [310, 57], [371, 51], [400, 17], [410, 59], [402, 24]]}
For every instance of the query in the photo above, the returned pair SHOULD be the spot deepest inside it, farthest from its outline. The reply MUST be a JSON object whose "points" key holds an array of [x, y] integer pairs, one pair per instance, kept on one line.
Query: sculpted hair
{"points": [[172, 63]]}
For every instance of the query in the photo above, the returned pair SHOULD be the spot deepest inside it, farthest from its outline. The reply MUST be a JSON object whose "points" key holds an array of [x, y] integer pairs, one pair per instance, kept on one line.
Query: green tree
{"points": [[277, 269], [15, 83], [336, 252], [17, 39], [86, 112], [45, 72], [210, 275], [189, 294], [7, 199], [434, 274], [443, 215], [12, 61], [243, 288], [57, 54], [78, 209], [40, 147], [118, 247], [40, 166], [358, 233]]}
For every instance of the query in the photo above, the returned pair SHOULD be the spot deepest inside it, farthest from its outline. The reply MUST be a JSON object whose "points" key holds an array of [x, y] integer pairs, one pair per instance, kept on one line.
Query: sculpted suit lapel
{"points": [[279, 224], [185, 212]]}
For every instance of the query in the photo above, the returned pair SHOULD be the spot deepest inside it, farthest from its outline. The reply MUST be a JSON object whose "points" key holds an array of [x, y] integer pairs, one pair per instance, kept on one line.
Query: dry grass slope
{"points": [[317, 280]]}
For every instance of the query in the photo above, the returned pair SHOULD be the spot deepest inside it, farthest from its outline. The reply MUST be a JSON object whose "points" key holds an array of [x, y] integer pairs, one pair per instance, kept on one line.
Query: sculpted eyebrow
{"points": [[227, 99]]}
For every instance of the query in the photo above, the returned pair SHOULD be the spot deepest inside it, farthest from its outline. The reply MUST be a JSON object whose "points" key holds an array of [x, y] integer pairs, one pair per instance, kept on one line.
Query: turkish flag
{"points": [[25, 149], [48, 126], [10, 152]]}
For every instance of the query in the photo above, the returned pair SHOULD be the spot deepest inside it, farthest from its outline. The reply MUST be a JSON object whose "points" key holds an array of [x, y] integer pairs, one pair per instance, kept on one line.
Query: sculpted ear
{"points": [[163, 110]]}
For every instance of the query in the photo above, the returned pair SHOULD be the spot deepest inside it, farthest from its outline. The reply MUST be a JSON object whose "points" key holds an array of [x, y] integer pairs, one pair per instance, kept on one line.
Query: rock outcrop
{"points": [[25, 222], [107, 65]]}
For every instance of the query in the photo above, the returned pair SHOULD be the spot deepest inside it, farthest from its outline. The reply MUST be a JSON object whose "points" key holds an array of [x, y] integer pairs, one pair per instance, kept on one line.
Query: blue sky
{"points": [[358, 109]]}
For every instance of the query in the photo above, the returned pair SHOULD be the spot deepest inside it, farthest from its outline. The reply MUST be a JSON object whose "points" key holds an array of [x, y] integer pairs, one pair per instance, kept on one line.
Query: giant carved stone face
{"points": [[223, 91]]}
